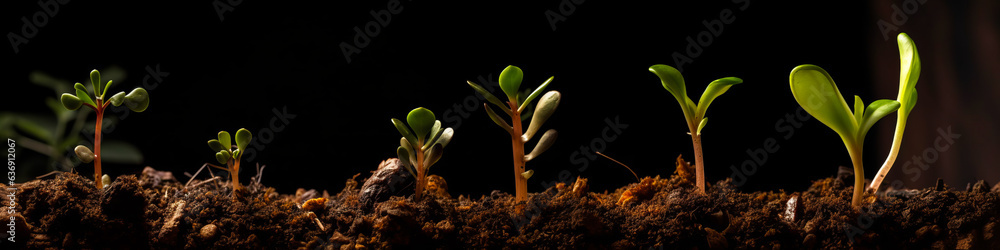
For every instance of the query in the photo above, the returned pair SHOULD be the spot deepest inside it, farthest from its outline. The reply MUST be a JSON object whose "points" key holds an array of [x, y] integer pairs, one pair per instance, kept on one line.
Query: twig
{"points": [[47, 175], [623, 164], [205, 181], [195, 175]]}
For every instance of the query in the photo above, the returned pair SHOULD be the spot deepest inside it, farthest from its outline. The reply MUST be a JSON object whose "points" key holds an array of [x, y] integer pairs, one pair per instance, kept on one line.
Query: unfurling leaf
{"points": [[106, 87], [499, 121], [420, 120], [216, 145], [243, 137], [714, 89], [221, 157], [84, 153], [81, 92], [405, 131], [875, 111], [137, 100], [70, 101], [433, 155], [117, 99], [534, 94], [435, 132], [701, 125], [489, 97], [546, 106], [859, 109], [547, 140], [404, 158], [909, 72], [510, 81]]}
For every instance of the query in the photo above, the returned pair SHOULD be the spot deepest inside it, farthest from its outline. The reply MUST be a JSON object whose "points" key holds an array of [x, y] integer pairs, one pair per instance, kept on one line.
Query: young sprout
{"points": [[510, 82], [225, 154], [816, 92], [909, 71], [137, 101], [422, 144], [694, 114]]}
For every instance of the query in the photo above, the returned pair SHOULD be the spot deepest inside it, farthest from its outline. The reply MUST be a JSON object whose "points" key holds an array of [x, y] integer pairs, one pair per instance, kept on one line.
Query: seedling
{"points": [[225, 154], [510, 82], [815, 91], [909, 72], [137, 101], [422, 144], [694, 114]]}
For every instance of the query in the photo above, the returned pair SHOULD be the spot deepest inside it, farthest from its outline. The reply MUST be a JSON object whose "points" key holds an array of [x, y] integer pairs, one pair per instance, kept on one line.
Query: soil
{"points": [[153, 210]]}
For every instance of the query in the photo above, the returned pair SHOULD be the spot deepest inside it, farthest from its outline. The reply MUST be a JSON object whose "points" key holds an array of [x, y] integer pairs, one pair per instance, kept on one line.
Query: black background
{"points": [[230, 73]]}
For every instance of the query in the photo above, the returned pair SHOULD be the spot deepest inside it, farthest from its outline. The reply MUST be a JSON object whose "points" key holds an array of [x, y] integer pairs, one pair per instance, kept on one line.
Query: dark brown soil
{"points": [[153, 210]]}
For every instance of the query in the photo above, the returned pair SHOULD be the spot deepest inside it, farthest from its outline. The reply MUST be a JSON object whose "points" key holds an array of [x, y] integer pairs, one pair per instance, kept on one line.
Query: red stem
{"points": [[421, 174], [97, 143], [520, 183], [234, 172]]}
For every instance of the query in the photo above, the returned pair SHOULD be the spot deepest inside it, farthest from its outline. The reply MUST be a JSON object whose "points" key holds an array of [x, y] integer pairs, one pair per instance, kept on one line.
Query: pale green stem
{"points": [[897, 140]]}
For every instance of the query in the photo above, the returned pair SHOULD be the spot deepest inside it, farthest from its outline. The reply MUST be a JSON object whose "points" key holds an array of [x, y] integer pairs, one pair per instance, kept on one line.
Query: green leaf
{"points": [[701, 125], [117, 99], [815, 91], [95, 79], [546, 106], [714, 89], [225, 140], [875, 111], [489, 97], [510, 81], [909, 72], [673, 81], [404, 158], [405, 143], [445, 137], [137, 100], [243, 138], [70, 101], [496, 119], [435, 132], [535, 94], [81, 92], [216, 145], [433, 155], [222, 157], [420, 120], [544, 143], [405, 131], [859, 109], [106, 87]]}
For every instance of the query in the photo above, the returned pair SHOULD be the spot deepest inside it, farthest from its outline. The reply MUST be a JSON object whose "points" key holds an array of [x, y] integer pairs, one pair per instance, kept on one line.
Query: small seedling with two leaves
{"points": [[137, 101], [422, 144], [815, 91], [510, 82], [694, 114], [225, 154]]}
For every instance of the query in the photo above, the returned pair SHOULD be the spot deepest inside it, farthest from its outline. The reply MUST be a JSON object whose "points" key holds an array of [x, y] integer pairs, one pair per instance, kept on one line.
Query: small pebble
{"points": [[209, 231]]}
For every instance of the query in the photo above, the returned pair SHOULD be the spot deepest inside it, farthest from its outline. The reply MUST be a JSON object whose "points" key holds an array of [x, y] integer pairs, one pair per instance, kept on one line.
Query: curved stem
{"points": [[897, 141], [859, 174]]}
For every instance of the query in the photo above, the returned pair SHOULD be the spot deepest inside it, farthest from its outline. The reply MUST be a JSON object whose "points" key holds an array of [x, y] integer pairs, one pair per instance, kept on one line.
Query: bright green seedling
{"points": [[909, 71], [818, 95], [137, 101], [694, 114], [225, 154], [510, 82], [422, 144]]}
